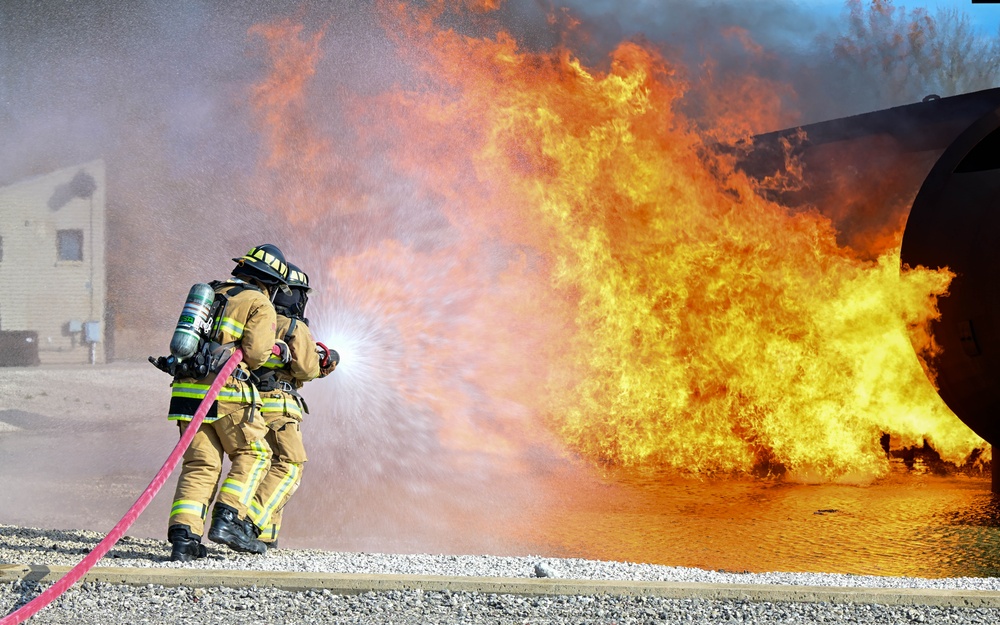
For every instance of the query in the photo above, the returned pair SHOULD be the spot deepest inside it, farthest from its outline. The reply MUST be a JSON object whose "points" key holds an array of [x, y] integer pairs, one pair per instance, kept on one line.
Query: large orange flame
{"points": [[604, 273]]}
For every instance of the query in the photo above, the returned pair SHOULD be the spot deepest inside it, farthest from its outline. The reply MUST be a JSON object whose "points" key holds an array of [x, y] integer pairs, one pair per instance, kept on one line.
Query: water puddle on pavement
{"points": [[907, 524]]}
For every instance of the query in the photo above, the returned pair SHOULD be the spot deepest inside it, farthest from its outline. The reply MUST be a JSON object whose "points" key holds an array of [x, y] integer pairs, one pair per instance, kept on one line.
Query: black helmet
{"points": [[265, 263], [298, 278], [293, 302]]}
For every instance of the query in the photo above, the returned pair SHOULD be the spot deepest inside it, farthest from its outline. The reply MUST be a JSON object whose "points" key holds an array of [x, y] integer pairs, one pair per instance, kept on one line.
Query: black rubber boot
{"points": [[253, 531], [186, 546], [228, 529]]}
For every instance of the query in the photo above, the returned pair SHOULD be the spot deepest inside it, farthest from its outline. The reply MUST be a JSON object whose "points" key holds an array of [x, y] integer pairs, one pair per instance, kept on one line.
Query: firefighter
{"points": [[233, 425], [279, 384]]}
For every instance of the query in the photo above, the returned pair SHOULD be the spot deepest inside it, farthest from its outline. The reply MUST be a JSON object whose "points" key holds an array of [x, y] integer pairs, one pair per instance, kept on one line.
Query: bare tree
{"points": [[956, 58], [901, 56]]}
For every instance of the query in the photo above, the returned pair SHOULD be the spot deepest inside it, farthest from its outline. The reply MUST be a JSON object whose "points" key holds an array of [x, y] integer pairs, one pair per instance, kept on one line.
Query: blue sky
{"points": [[985, 16]]}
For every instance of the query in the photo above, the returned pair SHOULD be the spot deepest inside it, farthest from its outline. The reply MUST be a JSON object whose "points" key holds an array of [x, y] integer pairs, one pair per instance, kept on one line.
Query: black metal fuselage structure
{"points": [[954, 222]]}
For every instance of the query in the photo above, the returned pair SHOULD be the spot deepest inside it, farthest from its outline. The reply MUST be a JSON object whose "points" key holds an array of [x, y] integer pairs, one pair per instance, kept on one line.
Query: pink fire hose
{"points": [[77, 572]]}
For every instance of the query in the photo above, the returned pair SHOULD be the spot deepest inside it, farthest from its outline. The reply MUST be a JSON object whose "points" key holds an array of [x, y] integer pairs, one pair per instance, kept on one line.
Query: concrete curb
{"points": [[346, 583]]}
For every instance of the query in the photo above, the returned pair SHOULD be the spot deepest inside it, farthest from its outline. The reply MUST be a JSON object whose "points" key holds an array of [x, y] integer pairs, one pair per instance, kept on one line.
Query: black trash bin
{"points": [[18, 348]]}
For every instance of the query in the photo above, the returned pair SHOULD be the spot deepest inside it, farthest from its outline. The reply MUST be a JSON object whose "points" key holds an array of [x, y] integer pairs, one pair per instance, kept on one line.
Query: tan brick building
{"points": [[52, 266]]}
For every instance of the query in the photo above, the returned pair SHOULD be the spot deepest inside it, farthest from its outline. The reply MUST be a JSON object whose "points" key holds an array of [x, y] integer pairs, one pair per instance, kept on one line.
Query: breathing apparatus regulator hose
{"points": [[77, 572]]}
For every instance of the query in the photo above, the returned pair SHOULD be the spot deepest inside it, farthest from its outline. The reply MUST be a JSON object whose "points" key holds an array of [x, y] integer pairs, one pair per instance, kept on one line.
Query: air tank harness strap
{"points": [[265, 380], [245, 375], [269, 382], [220, 353], [291, 390]]}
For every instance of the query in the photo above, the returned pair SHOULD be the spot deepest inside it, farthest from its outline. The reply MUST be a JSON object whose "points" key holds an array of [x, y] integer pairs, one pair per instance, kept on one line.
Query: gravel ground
{"points": [[107, 603]]}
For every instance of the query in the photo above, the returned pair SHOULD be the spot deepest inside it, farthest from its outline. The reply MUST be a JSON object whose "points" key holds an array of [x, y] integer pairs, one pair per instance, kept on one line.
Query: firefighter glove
{"points": [[328, 359], [284, 353]]}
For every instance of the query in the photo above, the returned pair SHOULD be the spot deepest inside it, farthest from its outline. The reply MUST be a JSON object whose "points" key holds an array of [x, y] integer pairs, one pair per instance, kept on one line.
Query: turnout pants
{"points": [[284, 436], [239, 433]]}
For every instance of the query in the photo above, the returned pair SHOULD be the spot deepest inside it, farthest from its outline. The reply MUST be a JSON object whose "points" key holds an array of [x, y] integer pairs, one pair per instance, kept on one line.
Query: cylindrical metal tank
{"points": [[955, 223]]}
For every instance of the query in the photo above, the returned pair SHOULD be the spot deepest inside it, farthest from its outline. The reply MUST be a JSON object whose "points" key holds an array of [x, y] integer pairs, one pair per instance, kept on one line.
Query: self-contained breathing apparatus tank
{"points": [[195, 322], [193, 353]]}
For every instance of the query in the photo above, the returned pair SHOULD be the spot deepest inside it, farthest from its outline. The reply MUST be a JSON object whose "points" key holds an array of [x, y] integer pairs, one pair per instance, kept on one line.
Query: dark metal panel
{"points": [[955, 223]]}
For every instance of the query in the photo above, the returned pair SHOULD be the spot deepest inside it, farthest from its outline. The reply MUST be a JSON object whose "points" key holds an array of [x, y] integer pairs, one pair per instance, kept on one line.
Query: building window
{"points": [[70, 244]]}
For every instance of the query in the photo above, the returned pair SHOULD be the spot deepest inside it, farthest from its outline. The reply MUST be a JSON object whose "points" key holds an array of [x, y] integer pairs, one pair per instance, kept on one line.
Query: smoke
{"points": [[162, 93], [169, 95]]}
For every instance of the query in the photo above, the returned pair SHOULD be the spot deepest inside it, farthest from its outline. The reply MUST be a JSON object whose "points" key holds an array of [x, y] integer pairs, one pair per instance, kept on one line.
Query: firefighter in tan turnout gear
{"points": [[244, 317], [279, 385]]}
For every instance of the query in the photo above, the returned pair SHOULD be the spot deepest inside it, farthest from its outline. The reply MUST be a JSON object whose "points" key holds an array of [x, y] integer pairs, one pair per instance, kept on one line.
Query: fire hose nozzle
{"points": [[327, 356]]}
